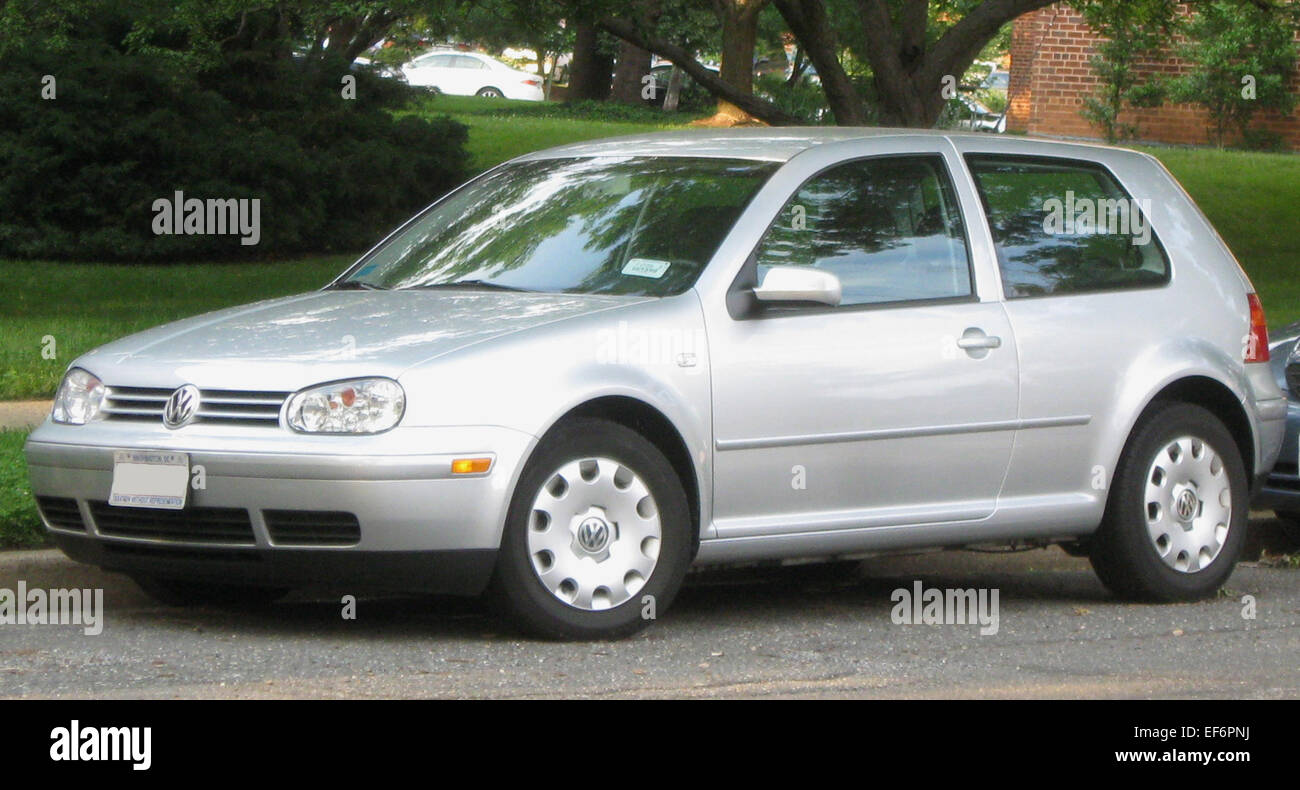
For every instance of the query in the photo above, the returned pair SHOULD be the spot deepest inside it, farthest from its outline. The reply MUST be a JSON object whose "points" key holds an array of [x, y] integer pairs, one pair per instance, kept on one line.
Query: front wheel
{"points": [[597, 540], [1177, 515]]}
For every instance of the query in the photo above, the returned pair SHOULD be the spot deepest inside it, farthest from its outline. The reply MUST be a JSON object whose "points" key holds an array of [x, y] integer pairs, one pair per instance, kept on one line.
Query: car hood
{"points": [[283, 343]]}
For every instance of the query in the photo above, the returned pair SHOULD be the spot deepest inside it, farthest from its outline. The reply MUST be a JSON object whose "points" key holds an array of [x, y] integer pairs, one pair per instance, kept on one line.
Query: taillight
{"points": [[1257, 341], [532, 83]]}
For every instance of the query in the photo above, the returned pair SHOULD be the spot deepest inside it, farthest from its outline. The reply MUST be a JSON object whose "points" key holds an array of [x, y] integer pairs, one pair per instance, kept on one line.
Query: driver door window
{"points": [[889, 228]]}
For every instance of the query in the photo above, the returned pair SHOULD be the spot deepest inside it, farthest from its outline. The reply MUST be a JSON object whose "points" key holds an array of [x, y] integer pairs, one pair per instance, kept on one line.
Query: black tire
{"points": [[490, 92], [184, 593], [516, 590], [1123, 553]]}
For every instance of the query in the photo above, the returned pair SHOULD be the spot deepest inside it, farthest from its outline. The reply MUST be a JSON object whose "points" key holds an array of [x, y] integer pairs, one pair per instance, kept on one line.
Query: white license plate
{"points": [[150, 479]]}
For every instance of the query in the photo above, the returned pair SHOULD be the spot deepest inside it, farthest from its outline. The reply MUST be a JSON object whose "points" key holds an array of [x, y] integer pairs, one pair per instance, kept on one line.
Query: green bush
{"points": [[80, 172], [804, 99]]}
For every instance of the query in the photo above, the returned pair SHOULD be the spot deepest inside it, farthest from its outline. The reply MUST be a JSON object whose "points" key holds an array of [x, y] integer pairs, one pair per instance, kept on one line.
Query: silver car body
{"points": [[902, 439]]}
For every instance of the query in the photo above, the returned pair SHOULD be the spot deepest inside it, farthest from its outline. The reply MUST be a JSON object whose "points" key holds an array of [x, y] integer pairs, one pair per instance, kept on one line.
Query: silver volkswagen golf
{"points": [[593, 366]]}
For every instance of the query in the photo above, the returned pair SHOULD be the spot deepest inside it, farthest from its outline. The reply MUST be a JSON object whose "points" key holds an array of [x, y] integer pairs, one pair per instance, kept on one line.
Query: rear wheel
{"points": [[597, 540], [178, 592], [492, 93], [1177, 514]]}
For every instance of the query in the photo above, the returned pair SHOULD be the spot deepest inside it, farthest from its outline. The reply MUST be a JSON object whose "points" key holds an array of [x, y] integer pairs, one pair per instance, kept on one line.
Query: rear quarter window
{"points": [[1064, 226]]}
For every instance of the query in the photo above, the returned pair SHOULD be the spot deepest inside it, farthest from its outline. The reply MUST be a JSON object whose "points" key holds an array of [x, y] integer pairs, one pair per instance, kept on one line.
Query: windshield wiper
{"points": [[356, 285], [475, 284]]}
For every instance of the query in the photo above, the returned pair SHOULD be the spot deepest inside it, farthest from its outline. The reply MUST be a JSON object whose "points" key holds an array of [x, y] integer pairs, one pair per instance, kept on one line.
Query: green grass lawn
{"points": [[1253, 199], [82, 306], [19, 523], [501, 129]]}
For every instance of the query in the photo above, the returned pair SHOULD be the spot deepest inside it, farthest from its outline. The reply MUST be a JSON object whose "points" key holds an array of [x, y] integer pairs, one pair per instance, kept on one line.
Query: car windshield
{"points": [[611, 225]]}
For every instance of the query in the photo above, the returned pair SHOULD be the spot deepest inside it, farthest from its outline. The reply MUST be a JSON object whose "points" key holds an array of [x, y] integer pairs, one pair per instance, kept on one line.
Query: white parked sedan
{"points": [[472, 74], [593, 366]]}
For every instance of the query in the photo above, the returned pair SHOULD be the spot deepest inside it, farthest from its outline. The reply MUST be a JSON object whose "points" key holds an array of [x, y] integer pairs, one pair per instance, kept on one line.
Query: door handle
{"points": [[979, 341]]}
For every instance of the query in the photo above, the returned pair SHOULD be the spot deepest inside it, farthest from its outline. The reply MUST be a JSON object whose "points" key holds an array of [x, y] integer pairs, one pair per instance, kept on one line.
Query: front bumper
{"points": [[415, 525], [458, 572]]}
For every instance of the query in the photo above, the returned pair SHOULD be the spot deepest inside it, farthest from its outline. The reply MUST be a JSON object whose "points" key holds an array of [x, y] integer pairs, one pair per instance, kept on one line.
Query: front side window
{"points": [[1063, 226], [615, 225], [889, 228]]}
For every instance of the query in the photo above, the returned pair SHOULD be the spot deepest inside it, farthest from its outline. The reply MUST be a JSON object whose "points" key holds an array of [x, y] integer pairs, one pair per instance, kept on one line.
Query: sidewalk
{"points": [[21, 414]]}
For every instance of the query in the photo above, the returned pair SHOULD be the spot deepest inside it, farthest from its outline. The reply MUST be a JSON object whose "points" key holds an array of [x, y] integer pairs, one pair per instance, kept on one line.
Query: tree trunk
{"points": [[633, 65], [808, 22], [589, 72], [674, 93], [739, 37], [710, 81]]}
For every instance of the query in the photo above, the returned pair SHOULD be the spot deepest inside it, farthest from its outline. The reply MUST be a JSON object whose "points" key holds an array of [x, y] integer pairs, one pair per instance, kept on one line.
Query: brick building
{"points": [[1051, 50]]}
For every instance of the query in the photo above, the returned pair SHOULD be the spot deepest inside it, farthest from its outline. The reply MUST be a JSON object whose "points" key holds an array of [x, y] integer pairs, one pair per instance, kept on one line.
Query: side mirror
{"points": [[799, 284]]}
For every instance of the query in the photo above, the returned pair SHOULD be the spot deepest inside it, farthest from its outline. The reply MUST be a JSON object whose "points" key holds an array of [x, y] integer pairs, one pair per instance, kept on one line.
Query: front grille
{"points": [[312, 528], [1293, 379], [61, 513], [240, 407], [191, 525]]}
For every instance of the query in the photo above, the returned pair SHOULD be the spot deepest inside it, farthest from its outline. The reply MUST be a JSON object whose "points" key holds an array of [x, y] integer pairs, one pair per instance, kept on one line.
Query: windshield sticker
{"points": [[645, 267]]}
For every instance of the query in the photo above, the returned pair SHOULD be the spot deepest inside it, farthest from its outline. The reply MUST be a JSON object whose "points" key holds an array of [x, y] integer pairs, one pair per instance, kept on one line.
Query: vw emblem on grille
{"points": [[181, 407]]}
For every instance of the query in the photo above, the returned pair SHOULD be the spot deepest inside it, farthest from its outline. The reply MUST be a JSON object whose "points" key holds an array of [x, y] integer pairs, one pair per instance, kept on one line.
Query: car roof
{"points": [[780, 143]]}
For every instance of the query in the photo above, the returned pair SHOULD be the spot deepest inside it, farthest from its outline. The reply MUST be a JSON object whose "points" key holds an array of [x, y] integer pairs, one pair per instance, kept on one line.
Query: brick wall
{"points": [[1050, 76]]}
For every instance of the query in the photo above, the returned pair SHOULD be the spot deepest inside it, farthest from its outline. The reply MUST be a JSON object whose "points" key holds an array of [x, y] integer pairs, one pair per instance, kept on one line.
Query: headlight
{"points": [[78, 399], [356, 406]]}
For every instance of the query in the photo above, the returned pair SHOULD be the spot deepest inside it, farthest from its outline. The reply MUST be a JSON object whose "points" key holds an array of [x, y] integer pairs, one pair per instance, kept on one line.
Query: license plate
{"points": [[150, 479]]}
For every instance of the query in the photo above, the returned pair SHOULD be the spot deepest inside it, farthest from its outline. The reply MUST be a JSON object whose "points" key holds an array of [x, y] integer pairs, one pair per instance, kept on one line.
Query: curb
{"points": [[23, 414]]}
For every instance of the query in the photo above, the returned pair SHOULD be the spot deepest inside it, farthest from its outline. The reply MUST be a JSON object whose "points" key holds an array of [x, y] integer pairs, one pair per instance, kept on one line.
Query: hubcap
{"points": [[594, 534], [1188, 504]]}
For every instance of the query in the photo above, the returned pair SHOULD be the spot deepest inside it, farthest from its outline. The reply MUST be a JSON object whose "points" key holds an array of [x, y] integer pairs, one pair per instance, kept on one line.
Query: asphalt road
{"points": [[812, 631]]}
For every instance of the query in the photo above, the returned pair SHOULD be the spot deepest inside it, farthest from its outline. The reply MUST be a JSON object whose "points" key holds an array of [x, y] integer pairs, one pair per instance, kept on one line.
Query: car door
{"points": [[1080, 296], [896, 407], [438, 71], [471, 75]]}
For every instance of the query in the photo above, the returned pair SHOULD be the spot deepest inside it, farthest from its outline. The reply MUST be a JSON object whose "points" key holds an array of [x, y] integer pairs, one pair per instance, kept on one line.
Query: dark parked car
{"points": [[1281, 493]]}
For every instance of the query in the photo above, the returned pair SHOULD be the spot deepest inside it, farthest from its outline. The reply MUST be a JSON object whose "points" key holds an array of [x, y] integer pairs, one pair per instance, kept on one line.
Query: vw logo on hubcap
{"points": [[593, 535], [1186, 505], [181, 407]]}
